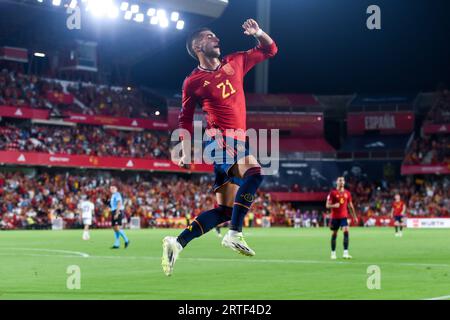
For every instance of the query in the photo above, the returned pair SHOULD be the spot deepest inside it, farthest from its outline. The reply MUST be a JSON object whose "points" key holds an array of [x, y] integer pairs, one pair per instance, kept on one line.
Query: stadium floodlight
{"points": [[151, 12], [174, 16], [99, 7], [40, 1], [113, 12], [73, 4], [154, 20], [180, 25], [163, 23], [139, 17], [157, 113], [56, 3], [39, 54], [97, 10], [134, 8], [161, 13], [124, 6], [128, 15]]}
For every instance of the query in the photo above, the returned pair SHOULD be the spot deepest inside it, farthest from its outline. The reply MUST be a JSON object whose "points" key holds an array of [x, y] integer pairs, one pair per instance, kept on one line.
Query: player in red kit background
{"points": [[398, 213], [217, 86], [339, 201]]}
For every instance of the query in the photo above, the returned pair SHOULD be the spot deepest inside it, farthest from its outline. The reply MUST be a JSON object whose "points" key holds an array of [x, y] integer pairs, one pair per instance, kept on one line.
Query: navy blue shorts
{"points": [[335, 224], [224, 153], [118, 221], [398, 219]]}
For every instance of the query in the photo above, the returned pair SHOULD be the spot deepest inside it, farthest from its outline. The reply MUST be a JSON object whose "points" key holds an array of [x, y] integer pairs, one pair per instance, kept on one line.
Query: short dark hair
{"points": [[193, 36]]}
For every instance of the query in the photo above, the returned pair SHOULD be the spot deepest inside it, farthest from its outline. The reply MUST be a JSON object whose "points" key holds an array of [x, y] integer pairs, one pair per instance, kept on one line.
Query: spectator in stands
{"points": [[433, 149], [84, 140], [18, 89]]}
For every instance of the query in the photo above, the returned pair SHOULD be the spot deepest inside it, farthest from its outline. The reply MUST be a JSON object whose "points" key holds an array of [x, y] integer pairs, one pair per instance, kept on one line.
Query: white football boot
{"points": [[346, 255], [333, 255], [86, 235], [171, 250], [235, 241]]}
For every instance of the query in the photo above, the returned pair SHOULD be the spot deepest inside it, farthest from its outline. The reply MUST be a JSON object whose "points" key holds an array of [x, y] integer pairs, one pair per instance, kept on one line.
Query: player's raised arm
{"points": [[251, 28], [266, 48], [188, 103]]}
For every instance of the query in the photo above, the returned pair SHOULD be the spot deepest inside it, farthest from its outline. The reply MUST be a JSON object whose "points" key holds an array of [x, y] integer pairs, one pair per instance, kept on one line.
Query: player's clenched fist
{"points": [[250, 27]]}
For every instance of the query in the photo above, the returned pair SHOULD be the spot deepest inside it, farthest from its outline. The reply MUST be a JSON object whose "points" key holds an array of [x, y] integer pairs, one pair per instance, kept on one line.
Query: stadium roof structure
{"points": [[41, 25]]}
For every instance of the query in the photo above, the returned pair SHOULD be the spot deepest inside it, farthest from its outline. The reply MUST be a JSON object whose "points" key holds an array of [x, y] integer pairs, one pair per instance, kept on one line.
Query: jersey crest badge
{"points": [[228, 69]]}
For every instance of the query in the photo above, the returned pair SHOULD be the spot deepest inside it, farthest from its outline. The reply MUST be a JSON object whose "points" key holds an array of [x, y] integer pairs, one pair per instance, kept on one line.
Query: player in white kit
{"points": [[87, 211]]}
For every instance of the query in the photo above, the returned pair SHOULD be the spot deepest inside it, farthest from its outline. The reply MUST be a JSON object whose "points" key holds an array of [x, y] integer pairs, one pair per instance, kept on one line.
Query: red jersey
{"points": [[343, 198], [221, 92], [398, 207]]}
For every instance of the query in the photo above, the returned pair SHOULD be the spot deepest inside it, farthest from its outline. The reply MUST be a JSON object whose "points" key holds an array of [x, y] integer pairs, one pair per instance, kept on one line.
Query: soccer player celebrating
{"points": [[339, 201], [117, 208], [217, 85], [87, 211], [397, 213]]}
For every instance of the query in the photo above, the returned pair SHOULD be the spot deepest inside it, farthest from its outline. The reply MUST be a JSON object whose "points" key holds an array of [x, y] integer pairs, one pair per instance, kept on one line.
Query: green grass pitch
{"points": [[289, 264]]}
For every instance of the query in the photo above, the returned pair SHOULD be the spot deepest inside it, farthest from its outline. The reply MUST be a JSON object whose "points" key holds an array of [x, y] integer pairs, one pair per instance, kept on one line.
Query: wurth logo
{"points": [[130, 164], [134, 123], [18, 112], [21, 158]]}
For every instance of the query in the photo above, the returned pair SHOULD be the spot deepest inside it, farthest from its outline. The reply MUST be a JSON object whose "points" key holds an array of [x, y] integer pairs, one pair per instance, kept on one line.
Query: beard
{"points": [[212, 53]]}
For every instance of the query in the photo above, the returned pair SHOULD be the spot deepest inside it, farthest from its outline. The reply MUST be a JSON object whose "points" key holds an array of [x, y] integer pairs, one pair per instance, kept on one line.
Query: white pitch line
{"points": [[440, 298], [287, 261], [249, 260], [81, 254]]}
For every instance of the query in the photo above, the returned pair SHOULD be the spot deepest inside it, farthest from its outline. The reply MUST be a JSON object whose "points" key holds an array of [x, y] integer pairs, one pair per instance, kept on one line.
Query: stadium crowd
{"points": [[32, 202], [19, 89], [159, 200], [434, 149], [429, 197], [84, 140], [119, 102], [440, 112]]}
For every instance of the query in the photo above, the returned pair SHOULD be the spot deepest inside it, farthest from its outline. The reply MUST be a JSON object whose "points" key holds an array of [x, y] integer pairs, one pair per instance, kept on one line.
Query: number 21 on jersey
{"points": [[227, 89]]}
